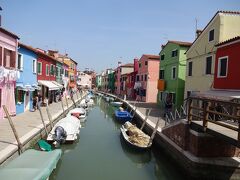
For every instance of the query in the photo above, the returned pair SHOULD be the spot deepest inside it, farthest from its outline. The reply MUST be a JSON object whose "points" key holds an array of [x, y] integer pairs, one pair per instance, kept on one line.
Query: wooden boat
{"points": [[116, 103], [32, 164], [66, 130], [80, 113], [135, 138], [123, 116]]}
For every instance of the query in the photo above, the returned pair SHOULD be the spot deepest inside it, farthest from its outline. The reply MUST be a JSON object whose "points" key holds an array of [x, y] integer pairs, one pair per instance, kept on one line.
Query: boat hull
{"points": [[123, 116]]}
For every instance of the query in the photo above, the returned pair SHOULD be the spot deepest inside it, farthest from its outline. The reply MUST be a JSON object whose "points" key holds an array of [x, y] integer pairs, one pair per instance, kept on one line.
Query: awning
{"points": [[58, 84], [227, 95], [49, 84], [26, 87]]}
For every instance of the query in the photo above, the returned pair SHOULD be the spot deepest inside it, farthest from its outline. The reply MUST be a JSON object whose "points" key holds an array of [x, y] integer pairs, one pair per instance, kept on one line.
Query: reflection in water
{"points": [[101, 154]]}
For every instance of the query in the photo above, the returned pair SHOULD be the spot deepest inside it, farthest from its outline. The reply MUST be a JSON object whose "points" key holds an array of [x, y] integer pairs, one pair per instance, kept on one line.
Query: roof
{"points": [[127, 65], [152, 57], [181, 43], [228, 41], [224, 12], [9, 33], [66, 56], [27, 47]]}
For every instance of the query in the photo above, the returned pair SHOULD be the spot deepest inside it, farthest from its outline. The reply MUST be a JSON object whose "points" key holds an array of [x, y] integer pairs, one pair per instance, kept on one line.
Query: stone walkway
{"points": [[27, 125]]}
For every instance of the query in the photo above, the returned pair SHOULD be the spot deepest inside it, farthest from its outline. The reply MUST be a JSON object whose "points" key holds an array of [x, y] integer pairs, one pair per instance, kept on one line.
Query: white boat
{"points": [[135, 137], [87, 101], [65, 130], [80, 113], [116, 103]]}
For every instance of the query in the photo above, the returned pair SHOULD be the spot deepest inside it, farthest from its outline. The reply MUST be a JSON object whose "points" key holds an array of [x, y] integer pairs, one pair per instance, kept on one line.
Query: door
{"points": [[27, 101]]}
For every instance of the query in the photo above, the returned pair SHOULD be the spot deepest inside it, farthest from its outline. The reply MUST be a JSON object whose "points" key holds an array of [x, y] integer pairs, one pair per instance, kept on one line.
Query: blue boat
{"points": [[123, 116]]}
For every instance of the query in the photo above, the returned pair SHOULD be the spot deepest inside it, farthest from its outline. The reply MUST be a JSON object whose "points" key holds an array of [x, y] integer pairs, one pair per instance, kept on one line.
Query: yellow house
{"points": [[201, 55], [72, 71]]}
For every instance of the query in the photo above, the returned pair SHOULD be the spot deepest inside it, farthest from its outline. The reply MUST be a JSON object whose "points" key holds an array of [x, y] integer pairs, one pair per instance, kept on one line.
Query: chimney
{"points": [[119, 63], [135, 64], [198, 32]]}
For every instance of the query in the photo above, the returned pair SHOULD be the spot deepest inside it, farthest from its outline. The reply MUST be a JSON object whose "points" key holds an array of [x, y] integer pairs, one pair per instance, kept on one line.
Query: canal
{"points": [[101, 154]]}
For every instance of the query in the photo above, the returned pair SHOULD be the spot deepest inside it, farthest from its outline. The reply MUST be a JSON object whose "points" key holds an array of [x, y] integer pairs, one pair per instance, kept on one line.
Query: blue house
{"points": [[26, 84]]}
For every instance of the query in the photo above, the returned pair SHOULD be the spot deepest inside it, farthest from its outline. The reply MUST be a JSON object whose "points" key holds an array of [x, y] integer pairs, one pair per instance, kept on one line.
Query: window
{"points": [[162, 57], [137, 77], [190, 68], [161, 96], [20, 62], [208, 65], [9, 58], [222, 66], [52, 70], [146, 63], [145, 77], [39, 68], [34, 69], [47, 70], [142, 77], [140, 65], [174, 53], [57, 71], [173, 72], [211, 35], [161, 74]]}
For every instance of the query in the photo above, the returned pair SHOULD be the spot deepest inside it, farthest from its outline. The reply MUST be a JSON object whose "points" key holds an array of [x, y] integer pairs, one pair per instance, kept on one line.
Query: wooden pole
{"points": [[154, 132], [205, 114], [148, 111], [189, 110], [13, 129], [77, 94], [66, 101], [40, 111], [49, 117], [63, 108], [73, 101]]}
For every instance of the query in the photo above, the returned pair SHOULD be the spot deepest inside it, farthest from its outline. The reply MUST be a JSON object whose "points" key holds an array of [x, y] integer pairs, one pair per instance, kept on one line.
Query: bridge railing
{"points": [[222, 113]]}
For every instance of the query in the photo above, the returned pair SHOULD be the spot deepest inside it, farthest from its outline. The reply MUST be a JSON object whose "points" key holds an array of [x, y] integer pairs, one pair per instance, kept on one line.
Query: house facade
{"points": [[26, 84], [131, 79], [172, 72], [84, 80], [202, 53], [8, 73], [147, 78], [111, 81]]}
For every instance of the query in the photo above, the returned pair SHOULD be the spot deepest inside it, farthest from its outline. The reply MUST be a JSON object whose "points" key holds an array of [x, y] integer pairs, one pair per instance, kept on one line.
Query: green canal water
{"points": [[101, 154]]}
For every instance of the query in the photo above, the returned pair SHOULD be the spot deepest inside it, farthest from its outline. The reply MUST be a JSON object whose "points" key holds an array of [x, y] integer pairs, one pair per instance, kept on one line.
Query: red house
{"points": [[227, 65], [46, 76]]}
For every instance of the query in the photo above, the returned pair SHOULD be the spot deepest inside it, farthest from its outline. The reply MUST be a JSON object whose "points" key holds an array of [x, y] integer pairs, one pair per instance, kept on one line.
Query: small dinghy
{"points": [[87, 101], [135, 137], [116, 103], [123, 116], [80, 113], [31, 164], [66, 130]]}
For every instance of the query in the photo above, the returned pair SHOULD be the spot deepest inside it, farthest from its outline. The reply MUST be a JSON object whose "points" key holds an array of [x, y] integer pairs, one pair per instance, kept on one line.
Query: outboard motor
{"points": [[60, 135]]}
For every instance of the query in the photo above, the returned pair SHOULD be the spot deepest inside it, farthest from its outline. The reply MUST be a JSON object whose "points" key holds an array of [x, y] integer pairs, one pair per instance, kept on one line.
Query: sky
{"points": [[99, 33]]}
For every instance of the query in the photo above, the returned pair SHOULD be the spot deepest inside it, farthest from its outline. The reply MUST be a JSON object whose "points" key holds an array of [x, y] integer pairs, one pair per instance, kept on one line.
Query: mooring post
{"points": [[40, 111], [49, 117], [63, 107], [66, 101], [77, 94], [73, 101], [13, 129], [148, 111], [154, 132]]}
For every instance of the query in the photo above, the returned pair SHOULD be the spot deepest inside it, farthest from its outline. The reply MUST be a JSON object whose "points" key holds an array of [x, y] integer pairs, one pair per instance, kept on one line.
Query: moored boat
{"points": [[80, 113], [32, 164], [116, 103], [135, 137], [123, 116]]}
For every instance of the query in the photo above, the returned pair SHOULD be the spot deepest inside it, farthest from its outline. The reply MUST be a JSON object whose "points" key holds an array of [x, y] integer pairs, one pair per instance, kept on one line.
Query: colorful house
{"points": [[111, 81], [202, 53], [8, 73], [99, 81], [26, 84], [131, 79], [147, 78], [46, 76], [121, 70], [59, 66], [172, 72], [84, 80]]}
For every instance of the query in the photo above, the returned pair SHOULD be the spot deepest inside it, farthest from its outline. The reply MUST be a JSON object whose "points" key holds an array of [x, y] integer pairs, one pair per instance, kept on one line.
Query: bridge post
{"points": [[206, 106], [189, 110]]}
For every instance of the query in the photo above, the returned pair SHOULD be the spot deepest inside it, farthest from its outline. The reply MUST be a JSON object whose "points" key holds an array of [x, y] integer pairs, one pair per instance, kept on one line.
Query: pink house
{"points": [[147, 78], [120, 71], [8, 73]]}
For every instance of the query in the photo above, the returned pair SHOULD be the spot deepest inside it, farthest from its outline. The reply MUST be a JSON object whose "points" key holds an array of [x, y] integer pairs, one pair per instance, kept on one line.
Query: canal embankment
{"points": [[30, 128], [200, 155]]}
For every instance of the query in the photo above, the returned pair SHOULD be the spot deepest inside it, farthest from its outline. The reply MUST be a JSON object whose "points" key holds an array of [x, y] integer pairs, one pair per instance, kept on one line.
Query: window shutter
{"points": [[13, 59]]}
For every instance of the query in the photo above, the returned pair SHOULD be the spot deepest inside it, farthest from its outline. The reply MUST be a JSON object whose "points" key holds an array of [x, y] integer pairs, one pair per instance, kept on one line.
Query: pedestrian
{"points": [[168, 105], [35, 100]]}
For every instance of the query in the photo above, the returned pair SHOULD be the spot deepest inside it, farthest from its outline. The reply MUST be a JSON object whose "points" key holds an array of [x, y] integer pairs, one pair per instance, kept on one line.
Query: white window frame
{"points": [[219, 67], [47, 69], [34, 66], [21, 62], [175, 73], [213, 35], [41, 68], [205, 70]]}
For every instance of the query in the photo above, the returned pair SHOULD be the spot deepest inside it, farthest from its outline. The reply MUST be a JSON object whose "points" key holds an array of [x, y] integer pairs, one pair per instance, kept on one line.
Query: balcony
{"points": [[161, 85]]}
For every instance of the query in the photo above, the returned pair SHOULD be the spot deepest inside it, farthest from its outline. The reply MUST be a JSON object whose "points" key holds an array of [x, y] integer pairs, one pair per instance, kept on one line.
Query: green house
{"points": [[59, 72], [111, 81], [172, 72]]}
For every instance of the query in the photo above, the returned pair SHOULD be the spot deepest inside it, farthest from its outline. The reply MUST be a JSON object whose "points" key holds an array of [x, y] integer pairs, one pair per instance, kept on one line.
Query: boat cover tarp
{"points": [[31, 165]]}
